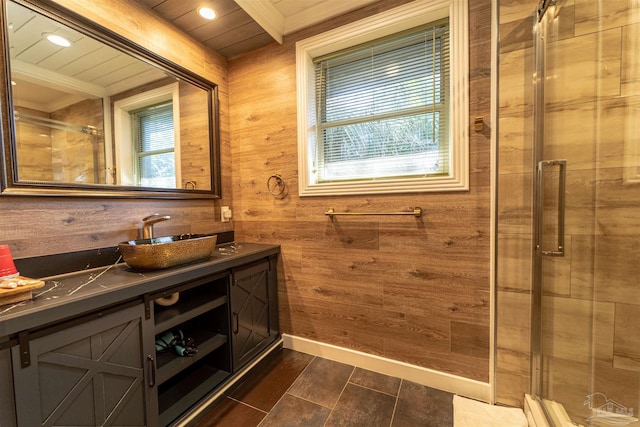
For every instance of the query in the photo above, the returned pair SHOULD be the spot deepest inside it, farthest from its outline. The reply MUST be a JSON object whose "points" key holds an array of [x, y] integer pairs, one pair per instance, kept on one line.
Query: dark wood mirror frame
{"points": [[10, 186]]}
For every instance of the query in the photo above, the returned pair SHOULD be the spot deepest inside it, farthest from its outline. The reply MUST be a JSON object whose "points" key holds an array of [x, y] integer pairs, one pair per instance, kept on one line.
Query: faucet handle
{"points": [[147, 226], [155, 218], [147, 218]]}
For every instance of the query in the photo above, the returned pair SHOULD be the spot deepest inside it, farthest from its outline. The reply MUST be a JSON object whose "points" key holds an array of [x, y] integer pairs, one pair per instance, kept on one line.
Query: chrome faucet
{"points": [[147, 226]]}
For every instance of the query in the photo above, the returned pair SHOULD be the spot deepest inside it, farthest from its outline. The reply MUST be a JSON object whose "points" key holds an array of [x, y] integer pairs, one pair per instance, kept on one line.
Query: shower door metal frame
{"points": [[539, 31], [539, 163]]}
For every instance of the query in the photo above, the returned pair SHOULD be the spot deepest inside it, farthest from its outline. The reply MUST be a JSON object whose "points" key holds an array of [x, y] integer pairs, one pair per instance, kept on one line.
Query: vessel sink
{"points": [[167, 251]]}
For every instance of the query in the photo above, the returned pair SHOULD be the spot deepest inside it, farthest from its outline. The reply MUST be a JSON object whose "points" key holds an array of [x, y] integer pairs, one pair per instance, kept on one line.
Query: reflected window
{"points": [[147, 138], [154, 146]]}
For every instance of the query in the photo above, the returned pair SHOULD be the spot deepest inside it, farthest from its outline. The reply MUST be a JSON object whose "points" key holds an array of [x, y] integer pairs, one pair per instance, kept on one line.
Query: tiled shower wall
{"points": [[592, 339]]}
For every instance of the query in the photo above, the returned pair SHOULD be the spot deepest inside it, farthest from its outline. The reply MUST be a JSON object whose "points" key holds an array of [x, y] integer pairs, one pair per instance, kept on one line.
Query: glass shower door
{"points": [[586, 268]]}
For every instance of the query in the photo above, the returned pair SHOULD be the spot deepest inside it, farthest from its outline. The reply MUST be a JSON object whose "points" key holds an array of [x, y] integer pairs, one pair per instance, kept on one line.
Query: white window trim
{"points": [[393, 21], [122, 125]]}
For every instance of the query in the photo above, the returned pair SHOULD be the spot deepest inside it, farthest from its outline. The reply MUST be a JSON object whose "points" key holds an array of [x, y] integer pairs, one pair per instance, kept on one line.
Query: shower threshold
{"points": [[546, 413]]}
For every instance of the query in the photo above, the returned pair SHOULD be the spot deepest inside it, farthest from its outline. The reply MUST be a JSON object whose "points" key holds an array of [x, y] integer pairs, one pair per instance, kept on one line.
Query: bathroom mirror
{"points": [[86, 112]]}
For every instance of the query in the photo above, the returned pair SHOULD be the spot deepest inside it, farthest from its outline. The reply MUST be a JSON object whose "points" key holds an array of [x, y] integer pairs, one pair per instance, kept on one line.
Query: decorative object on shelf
{"points": [[176, 341], [18, 289], [277, 187], [7, 267], [169, 300]]}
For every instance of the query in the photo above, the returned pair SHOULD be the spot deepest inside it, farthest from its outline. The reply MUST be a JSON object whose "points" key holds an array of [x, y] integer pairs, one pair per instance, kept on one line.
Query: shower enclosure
{"points": [[52, 150], [568, 273]]}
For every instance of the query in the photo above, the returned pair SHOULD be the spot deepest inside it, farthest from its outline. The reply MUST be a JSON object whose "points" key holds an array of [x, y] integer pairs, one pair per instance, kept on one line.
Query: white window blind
{"points": [[382, 108], [153, 138]]}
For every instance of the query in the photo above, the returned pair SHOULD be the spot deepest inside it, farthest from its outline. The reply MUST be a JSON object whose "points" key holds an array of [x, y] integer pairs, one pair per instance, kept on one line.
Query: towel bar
{"points": [[417, 212]]}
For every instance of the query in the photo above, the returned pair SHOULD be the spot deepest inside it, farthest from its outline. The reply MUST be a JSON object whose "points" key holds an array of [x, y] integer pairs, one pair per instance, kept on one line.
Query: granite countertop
{"points": [[72, 294]]}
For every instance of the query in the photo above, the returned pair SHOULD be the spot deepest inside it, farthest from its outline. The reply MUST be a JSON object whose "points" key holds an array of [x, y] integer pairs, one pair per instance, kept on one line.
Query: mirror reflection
{"points": [[87, 113]]}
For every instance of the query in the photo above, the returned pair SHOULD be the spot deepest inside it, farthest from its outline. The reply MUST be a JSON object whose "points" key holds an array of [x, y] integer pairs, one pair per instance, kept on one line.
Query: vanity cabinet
{"points": [[88, 371], [107, 355], [253, 304]]}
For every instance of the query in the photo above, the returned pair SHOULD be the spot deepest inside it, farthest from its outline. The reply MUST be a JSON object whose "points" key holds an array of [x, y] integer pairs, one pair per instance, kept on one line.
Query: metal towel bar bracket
{"points": [[417, 212]]}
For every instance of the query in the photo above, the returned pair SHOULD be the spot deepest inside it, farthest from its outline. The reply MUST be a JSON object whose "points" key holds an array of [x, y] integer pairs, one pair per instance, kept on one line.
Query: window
{"points": [[383, 108], [154, 156], [376, 109]]}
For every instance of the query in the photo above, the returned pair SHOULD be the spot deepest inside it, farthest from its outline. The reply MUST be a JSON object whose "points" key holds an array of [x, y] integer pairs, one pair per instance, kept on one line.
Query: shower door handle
{"points": [[562, 178]]}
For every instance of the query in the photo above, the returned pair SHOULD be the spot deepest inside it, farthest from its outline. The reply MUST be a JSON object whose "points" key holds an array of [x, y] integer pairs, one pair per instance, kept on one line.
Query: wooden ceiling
{"points": [[231, 33], [245, 25]]}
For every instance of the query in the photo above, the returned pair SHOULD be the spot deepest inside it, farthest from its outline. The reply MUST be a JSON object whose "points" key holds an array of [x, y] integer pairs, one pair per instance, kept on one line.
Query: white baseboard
{"points": [[428, 377]]}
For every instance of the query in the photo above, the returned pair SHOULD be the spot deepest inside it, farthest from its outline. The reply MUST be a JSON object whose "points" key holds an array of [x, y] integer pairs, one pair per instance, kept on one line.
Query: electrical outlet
{"points": [[225, 214]]}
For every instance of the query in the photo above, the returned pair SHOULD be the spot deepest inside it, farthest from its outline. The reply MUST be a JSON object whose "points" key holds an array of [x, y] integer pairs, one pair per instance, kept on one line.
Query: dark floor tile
{"points": [[424, 406], [359, 406], [322, 382], [271, 378], [292, 411], [231, 413], [375, 381]]}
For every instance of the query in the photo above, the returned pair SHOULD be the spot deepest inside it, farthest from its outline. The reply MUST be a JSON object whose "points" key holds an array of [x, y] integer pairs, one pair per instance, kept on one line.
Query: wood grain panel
{"points": [[194, 133], [192, 21], [516, 68], [619, 384], [514, 268], [585, 67], [471, 339], [556, 271], [616, 278], [389, 286], [630, 60], [514, 208], [576, 329], [626, 344], [592, 17]]}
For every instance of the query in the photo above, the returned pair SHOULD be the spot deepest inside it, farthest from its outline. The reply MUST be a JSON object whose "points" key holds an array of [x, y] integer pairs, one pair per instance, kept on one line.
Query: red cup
{"points": [[7, 267]]}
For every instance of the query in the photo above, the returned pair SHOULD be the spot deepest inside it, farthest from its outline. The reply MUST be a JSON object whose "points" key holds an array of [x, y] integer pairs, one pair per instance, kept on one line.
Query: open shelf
{"points": [[170, 363], [201, 313], [188, 391], [167, 318]]}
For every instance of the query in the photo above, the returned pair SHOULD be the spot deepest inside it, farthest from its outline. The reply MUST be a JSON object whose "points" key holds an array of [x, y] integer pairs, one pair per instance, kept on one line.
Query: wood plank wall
{"points": [[45, 225], [410, 290]]}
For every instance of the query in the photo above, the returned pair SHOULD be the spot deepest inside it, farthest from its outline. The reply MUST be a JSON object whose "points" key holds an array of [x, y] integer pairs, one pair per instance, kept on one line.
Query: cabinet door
{"points": [[91, 373], [7, 408], [250, 319]]}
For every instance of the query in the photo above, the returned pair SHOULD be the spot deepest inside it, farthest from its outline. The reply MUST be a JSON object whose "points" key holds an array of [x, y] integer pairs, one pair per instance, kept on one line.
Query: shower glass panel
{"points": [[57, 151], [586, 246]]}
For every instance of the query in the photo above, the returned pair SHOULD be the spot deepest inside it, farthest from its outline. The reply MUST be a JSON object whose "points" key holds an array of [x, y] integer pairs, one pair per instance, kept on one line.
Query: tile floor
{"points": [[296, 389]]}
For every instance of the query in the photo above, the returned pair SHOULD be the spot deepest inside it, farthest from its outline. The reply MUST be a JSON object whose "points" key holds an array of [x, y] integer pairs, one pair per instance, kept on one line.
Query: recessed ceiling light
{"points": [[207, 13], [58, 40]]}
